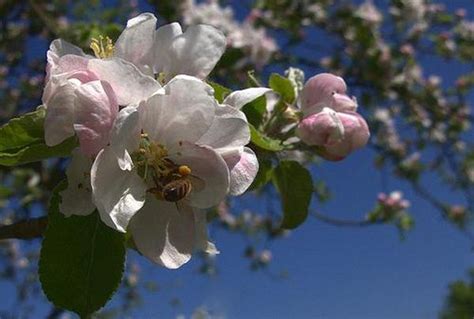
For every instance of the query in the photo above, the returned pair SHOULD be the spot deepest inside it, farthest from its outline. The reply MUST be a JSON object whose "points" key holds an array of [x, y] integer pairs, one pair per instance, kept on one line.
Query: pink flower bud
{"points": [[321, 129], [326, 90], [339, 133]]}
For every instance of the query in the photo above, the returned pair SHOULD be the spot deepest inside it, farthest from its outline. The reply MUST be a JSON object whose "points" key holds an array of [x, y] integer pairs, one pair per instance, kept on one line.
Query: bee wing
{"points": [[198, 184]]}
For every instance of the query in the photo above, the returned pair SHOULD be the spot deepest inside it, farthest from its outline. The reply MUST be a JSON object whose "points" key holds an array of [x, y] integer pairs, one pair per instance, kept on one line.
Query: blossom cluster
{"points": [[155, 146], [254, 41]]}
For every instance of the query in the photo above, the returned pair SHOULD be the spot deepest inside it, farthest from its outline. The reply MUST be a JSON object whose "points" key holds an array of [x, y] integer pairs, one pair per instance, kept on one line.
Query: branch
{"points": [[24, 229]]}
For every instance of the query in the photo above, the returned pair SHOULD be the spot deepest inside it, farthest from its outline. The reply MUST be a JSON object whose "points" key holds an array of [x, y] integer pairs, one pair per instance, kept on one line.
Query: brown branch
{"points": [[24, 229]]}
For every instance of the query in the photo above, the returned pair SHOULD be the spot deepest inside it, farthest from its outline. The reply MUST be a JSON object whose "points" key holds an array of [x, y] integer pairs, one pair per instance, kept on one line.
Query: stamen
{"points": [[102, 47]]}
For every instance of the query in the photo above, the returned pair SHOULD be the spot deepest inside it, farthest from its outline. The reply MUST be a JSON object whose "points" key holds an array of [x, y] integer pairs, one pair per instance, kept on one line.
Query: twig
{"points": [[24, 229]]}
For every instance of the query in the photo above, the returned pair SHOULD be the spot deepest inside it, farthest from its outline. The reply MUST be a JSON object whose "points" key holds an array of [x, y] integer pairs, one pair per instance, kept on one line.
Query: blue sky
{"points": [[332, 272]]}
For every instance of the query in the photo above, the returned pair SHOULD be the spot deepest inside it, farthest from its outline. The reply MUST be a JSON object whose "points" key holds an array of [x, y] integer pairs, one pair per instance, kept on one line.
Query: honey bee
{"points": [[176, 185]]}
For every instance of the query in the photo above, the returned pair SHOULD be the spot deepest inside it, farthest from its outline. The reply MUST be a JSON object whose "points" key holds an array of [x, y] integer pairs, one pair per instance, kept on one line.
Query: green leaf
{"points": [[282, 86], [263, 141], [295, 186], [220, 92], [82, 260], [255, 110], [22, 141]]}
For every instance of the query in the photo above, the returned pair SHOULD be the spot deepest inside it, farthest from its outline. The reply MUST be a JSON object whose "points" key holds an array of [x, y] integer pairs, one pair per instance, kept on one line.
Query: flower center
{"points": [[168, 180], [102, 47]]}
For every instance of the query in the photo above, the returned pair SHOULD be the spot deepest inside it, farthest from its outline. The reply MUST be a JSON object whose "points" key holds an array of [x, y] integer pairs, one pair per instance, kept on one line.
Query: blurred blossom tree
{"points": [[420, 123]]}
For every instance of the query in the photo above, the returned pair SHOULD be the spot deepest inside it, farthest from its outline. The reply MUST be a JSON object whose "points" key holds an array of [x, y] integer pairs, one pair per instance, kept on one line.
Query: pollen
{"points": [[184, 170], [102, 47]]}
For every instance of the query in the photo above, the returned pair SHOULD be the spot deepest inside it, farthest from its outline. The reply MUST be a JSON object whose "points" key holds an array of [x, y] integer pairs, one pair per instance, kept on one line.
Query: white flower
{"points": [[168, 51], [175, 154], [83, 94]]}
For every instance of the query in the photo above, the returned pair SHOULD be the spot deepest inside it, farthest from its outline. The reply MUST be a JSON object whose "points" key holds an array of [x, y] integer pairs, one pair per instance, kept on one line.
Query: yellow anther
{"points": [[102, 47], [184, 170], [144, 135]]}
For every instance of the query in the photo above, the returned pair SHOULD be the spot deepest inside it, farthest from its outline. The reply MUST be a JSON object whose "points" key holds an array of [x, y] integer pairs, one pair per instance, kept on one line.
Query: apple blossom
{"points": [[168, 51], [184, 139], [330, 119], [83, 94]]}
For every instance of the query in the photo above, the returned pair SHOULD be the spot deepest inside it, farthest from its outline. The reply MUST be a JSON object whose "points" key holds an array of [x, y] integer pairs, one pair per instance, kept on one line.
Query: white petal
{"points": [[135, 44], [130, 85], [229, 129], [208, 166], [202, 242], [76, 199], [184, 113], [164, 38], [95, 111], [118, 194], [125, 136], [61, 47], [238, 99], [163, 234], [59, 120], [196, 51], [243, 167]]}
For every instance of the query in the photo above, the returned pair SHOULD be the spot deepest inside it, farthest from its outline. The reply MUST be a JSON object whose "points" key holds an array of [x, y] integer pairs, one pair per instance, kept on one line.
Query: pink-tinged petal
{"points": [[184, 113], [196, 51], [125, 136], [95, 111], [164, 234], [129, 84], [67, 67], [59, 120], [202, 242], [238, 99], [325, 90], [164, 37], [356, 135], [229, 129], [207, 165], [76, 199], [243, 167], [321, 129], [118, 194], [135, 44]]}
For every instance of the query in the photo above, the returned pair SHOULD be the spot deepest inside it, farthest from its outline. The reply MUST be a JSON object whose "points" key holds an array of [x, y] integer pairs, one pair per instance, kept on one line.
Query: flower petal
{"points": [[164, 38], [325, 90], [164, 234], [229, 129], [243, 167], [118, 194], [76, 199], [207, 165], [95, 111], [135, 44], [59, 120], [125, 136], [196, 51], [129, 84], [238, 99], [323, 128], [61, 47], [202, 242], [184, 113]]}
